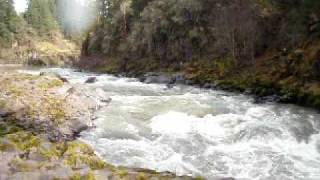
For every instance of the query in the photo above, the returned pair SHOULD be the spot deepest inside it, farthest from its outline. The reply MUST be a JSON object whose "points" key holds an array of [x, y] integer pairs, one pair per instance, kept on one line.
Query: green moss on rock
{"points": [[141, 176], [2, 103], [53, 107], [6, 128], [79, 153], [23, 140], [50, 84], [120, 172], [89, 176], [75, 176], [14, 91]]}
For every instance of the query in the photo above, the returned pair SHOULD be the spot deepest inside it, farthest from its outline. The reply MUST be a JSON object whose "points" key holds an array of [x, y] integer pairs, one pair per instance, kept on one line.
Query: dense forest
{"points": [[10, 23], [187, 30], [268, 46]]}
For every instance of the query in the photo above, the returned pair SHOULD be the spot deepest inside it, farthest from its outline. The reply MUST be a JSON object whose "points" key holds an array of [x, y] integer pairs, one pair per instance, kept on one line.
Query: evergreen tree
{"points": [[40, 16], [8, 22]]}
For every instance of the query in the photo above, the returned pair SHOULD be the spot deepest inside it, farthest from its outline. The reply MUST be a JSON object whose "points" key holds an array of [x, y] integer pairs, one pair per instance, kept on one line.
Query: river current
{"points": [[193, 131]]}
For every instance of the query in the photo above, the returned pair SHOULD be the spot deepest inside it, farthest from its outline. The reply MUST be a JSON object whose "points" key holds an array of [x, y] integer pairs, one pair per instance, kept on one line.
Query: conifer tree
{"points": [[8, 22], [40, 16]]}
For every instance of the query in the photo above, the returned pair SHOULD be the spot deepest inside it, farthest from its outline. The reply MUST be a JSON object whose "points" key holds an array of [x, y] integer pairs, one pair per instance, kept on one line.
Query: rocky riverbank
{"points": [[40, 118], [283, 78], [261, 94]]}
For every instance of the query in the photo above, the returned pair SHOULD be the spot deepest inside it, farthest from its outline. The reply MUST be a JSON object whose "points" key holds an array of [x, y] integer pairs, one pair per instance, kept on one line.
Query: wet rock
{"points": [[178, 79], [248, 91], [227, 178], [265, 99], [36, 62], [51, 74], [78, 70], [106, 100], [209, 86], [169, 86], [189, 82], [91, 80], [76, 127], [142, 78], [161, 79], [102, 96]]}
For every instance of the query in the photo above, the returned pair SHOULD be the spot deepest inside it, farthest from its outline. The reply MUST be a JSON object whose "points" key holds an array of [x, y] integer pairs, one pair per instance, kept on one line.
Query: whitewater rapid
{"points": [[208, 133]]}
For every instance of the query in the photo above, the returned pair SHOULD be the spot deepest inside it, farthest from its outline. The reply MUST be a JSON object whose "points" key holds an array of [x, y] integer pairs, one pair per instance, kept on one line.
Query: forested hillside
{"points": [[268, 46], [186, 30], [10, 24], [47, 29]]}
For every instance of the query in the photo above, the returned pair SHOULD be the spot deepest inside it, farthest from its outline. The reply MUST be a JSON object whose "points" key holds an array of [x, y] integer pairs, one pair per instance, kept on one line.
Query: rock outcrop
{"points": [[40, 118], [46, 104]]}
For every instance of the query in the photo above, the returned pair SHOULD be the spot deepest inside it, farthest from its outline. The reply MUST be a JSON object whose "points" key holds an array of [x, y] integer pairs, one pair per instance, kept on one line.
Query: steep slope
{"points": [[265, 47]]}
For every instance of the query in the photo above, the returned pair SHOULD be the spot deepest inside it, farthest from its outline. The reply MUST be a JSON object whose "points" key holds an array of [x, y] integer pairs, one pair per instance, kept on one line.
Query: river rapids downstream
{"points": [[208, 133]]}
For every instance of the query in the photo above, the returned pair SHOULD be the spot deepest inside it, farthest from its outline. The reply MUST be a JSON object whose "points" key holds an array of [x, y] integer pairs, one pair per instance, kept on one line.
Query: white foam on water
{"points": [[187, 130], [252, 158], [181, 124]]}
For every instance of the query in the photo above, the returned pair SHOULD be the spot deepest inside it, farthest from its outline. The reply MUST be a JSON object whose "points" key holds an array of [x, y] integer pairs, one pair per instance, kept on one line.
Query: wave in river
{"points": [[208, 133]]}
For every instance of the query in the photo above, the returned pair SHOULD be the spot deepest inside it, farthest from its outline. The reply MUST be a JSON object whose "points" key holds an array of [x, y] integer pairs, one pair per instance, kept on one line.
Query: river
{"points": [[208, 133]]}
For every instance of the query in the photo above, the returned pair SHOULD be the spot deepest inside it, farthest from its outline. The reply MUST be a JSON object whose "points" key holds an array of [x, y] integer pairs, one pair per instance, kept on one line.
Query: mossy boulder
{"points": [[46, 104]]}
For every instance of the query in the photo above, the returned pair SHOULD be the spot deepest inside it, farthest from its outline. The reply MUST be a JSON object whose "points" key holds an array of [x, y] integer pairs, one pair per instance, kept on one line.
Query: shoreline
{"points": [[260, 94], [33, 148], [253, 81]]}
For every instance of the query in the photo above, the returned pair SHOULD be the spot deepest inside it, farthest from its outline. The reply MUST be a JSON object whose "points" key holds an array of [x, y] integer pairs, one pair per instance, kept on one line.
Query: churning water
{"points": [[209, 133]]}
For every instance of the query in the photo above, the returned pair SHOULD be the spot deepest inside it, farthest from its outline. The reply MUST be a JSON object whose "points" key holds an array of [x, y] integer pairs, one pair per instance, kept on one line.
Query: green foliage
{"points": [[9, 22], [299, 19], [175, 31], [138, 6], [40, 15]]}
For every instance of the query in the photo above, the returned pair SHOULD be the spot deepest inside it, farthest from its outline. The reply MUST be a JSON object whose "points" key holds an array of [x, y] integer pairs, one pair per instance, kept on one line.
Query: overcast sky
{"points": [[20, 5]]}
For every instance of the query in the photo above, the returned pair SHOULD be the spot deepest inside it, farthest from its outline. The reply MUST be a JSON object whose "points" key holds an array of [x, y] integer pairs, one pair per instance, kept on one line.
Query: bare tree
{"points": [[236, 29]]}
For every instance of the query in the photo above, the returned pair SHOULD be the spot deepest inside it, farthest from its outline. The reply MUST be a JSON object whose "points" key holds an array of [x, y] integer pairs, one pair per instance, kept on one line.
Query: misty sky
{"points": [[21, 5]]}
